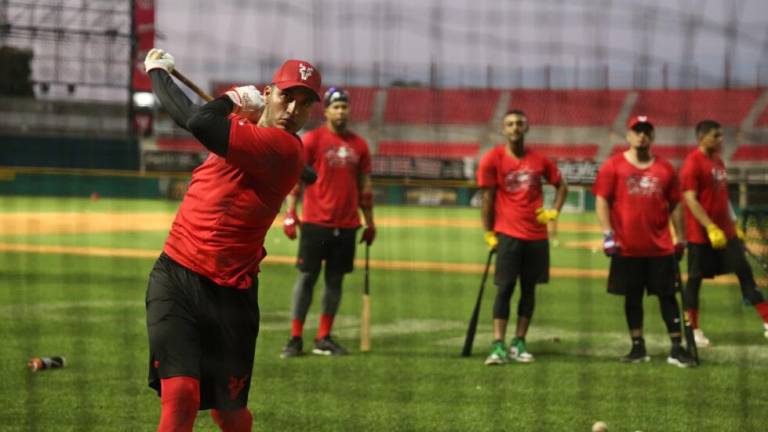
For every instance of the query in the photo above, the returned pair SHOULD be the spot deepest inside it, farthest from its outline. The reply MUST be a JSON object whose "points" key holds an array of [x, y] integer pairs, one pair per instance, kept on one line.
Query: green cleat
{"points": [[498, 355], [518, 352]]}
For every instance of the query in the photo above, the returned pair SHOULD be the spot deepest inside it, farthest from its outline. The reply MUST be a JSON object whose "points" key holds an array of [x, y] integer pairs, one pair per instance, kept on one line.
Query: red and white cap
{"points": [[298, 73], [638, 120]]}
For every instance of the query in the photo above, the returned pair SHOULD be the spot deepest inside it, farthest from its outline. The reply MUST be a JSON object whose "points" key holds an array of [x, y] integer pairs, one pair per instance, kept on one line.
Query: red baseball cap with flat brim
{"points": [[640, 122], [298, 73]]}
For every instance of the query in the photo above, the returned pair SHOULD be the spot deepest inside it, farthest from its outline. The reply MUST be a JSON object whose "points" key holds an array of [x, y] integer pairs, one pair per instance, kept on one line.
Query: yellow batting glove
{"points": [[491, 240], [716, 236], [544, 216], [740, 233]]}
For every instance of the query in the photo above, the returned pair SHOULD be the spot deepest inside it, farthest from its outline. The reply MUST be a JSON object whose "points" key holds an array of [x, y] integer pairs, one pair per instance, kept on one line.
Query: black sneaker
{"points": [[327, 346], [679, 357], [293, 348], [637, 354]]}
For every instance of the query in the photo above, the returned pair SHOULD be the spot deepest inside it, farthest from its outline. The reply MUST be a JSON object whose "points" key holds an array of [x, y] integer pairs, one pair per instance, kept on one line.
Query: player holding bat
{"points": [[637, 194], [329, 220], [202, 297], [511, 177]]}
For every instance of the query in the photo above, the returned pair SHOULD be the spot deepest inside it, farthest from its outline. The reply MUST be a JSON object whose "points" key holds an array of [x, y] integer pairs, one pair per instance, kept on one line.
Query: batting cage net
{"points": [[423, 317]]}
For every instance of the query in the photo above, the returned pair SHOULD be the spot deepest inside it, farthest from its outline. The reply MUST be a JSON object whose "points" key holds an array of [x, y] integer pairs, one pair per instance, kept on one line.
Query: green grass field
{"points": [[90, 309]]}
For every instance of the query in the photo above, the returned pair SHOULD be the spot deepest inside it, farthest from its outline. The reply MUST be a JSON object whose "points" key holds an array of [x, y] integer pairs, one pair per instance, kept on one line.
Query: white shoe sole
{"points": [[494, 362], [678, 363]]}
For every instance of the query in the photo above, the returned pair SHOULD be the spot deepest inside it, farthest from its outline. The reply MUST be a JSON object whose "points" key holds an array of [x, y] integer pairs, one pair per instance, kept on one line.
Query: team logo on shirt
{"points": [[522, 179], [342, 155], [719, 177], [643, 184]]}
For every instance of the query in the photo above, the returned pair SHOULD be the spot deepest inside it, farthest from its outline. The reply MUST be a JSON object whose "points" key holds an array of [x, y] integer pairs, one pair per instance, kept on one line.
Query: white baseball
{"points": [[600, 426]]}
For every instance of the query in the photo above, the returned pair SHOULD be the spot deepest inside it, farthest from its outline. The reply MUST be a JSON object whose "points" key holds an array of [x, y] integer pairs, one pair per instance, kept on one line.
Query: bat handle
{"points": [[192, 86]]}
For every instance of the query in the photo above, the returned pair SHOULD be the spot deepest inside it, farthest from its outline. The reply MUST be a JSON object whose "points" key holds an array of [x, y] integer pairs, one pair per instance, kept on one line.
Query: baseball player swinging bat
{"points": [[470, 338], [308, 174], [365, 315]]}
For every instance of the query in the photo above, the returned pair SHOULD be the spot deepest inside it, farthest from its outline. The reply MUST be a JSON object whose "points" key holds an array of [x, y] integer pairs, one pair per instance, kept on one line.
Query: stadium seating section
{"points": [[674, 153], [569, 107], [570, 152], [440, 106], [751, 153], [423, 149], [687, 107]]}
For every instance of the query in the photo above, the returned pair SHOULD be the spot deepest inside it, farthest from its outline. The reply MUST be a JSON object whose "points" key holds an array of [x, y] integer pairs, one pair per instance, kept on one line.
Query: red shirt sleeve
{"points": [[689, 175], [254, 149], [486, 171], [605, 181], [552, 172]]}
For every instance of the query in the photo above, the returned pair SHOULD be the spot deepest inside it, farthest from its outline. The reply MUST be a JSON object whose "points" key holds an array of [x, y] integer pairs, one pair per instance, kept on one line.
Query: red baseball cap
{"points": [[298, 73], [635, 121]]}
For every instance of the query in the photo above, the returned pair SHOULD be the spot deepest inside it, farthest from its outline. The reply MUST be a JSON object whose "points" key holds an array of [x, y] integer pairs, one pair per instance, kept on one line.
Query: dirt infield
{"points": [[79, 222]]}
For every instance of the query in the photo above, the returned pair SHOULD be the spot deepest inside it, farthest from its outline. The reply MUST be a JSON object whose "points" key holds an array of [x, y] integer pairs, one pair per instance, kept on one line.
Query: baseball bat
{"points": [[192, 86], [470, 338], [690, 340], [365, 315]]}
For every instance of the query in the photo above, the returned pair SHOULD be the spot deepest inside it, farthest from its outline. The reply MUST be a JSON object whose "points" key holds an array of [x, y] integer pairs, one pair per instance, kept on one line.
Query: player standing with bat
{"points": [[511, 177], [329, 220], [714, 246], [636, 195], [202, 297]]}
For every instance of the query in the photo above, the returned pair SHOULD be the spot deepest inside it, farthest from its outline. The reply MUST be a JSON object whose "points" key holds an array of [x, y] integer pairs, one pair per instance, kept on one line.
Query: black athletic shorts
{"points": [[706, 262], [335, 246], [527, 259], [203, 330], [632, 274]]}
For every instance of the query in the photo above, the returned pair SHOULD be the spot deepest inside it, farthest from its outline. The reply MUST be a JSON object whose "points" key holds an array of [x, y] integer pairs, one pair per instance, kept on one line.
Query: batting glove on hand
{"points": [[716, 236], [290, 222], [247, 99], [610, 245], [491, 240], [544, 216], [369, 234], [159, 59], [680, 249], [740, 233]]}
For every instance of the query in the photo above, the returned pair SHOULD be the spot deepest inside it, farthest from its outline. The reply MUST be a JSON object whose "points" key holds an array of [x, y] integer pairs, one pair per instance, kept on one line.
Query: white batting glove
{"points": [[159, 59], [247, 99]]}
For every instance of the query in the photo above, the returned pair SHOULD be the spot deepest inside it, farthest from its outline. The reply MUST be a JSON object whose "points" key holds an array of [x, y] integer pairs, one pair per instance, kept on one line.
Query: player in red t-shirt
{"points": [[511, 177], [714, 242], [330, 219], [636, 192], [202, 301]]}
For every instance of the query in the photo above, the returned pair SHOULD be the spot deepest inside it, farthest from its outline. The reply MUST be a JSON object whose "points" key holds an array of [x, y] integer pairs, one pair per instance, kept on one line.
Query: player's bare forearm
{"points": [[696, 209], [677, 222], [292, 198], [365, 186], [487, 209], [561, 192], [603, 210]]}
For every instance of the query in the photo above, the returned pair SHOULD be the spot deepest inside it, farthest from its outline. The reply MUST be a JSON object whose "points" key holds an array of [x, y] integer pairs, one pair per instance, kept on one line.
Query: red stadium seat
{"points": [[762, 121], [569, 107], [571, 152], [674, 153], [423, 149], [440, 106], [751, 153], [687, 107]]}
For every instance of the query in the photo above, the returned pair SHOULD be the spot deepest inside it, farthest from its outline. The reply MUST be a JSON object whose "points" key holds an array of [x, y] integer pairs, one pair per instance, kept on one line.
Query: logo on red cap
{"points": [[298, 73]]}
